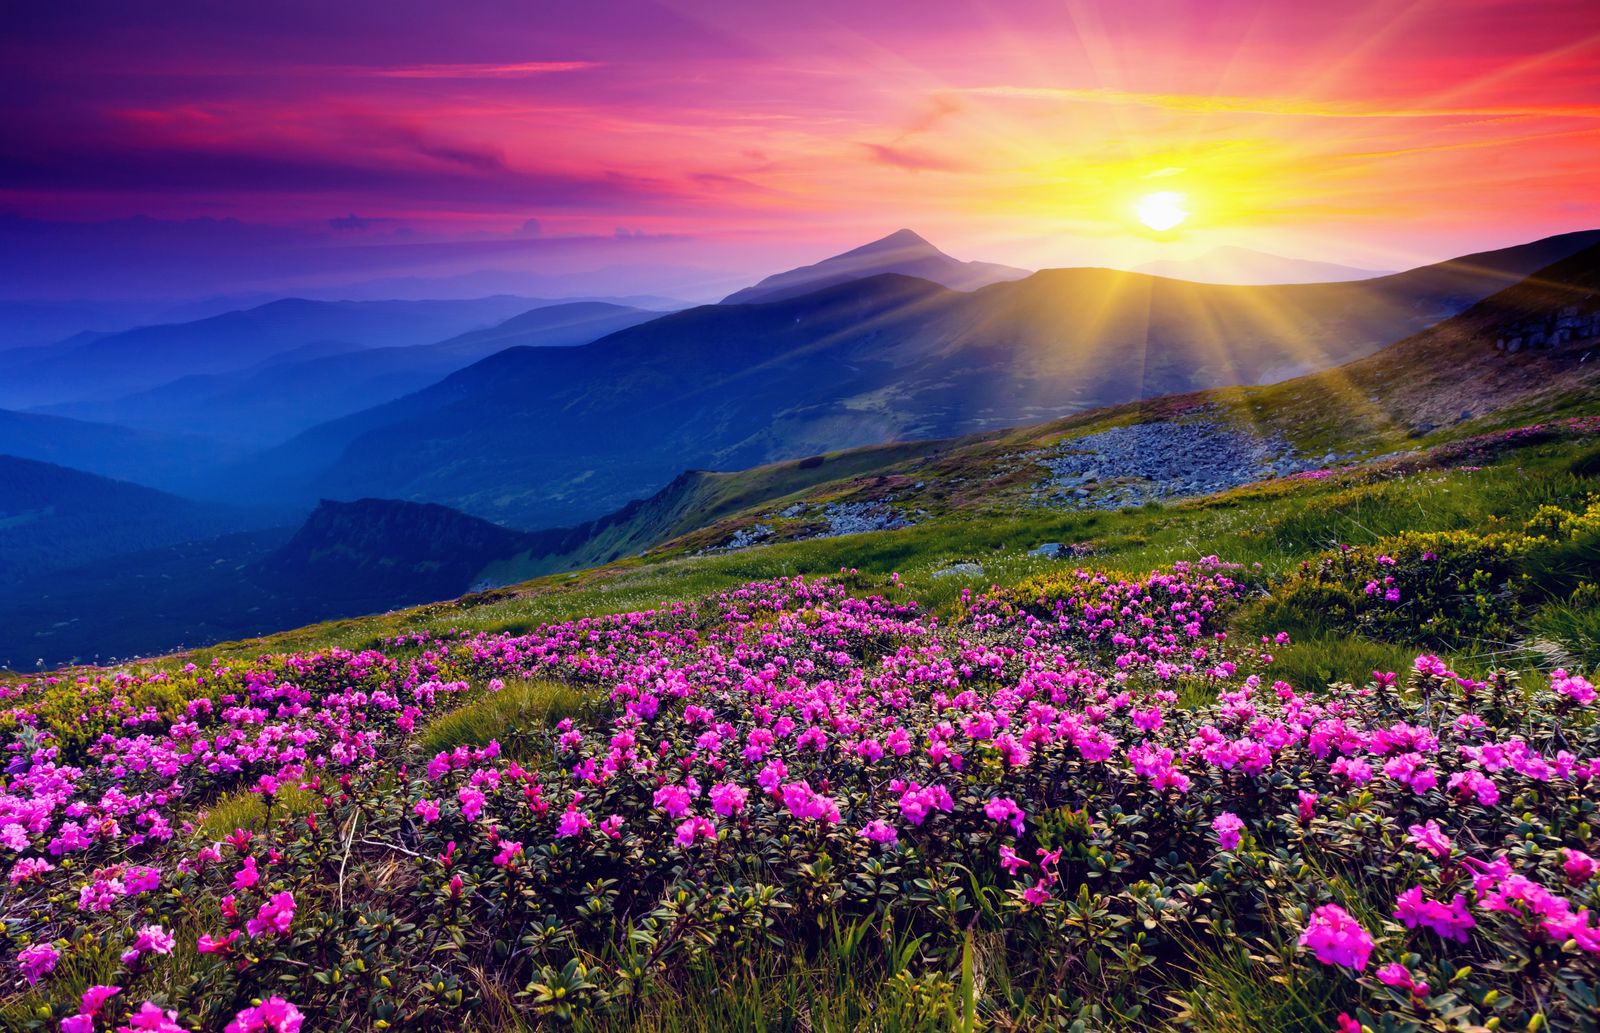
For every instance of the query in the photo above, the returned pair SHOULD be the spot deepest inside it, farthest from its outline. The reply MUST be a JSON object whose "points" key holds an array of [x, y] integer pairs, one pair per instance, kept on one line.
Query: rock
{"points": [[1049, 550], [961, 570], [1466, 414]]}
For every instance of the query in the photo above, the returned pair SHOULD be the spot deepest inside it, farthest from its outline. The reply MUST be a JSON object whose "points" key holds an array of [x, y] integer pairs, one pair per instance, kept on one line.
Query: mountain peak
{"points": [[899, 240], [904, 251]]}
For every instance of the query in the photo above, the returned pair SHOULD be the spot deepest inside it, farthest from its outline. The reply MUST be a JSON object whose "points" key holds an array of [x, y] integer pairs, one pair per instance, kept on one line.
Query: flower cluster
{"points": [[1087, 766]]}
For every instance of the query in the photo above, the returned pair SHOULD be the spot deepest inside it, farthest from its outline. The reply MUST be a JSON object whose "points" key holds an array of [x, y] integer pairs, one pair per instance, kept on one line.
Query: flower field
{"points": [[1082, 803]]}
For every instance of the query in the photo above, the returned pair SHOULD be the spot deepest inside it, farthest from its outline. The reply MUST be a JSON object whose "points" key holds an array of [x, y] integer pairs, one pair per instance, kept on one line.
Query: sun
{"points": [[1161, 210]]}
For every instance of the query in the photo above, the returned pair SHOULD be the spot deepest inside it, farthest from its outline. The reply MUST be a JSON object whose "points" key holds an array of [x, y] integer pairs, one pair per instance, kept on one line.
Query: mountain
{"points": [[1532, 348], [380, 553], [53, 518], [112, 365], [902, 252], [1237, 265], [175, 462], [542, 437], [1533, 345], [295, 390]]}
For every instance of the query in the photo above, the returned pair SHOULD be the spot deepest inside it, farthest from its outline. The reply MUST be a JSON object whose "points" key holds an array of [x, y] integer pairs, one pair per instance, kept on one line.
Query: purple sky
{"points": [[179, 149]]}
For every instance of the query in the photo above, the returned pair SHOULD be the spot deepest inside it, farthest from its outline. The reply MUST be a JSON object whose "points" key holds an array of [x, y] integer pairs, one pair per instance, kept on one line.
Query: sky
{"points": [[194, 147]]}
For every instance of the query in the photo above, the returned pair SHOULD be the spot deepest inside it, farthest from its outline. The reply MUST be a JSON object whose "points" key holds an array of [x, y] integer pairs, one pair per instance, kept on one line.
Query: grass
{"points": [[1274, 526], [244, 809], [509, 716]]}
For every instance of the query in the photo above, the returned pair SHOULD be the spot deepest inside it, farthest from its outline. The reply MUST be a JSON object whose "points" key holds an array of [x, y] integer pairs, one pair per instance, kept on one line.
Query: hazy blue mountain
{"points": [[542, 437], [902, 252], [293, 390], [172, 462], [113, 365], [53, 518]]}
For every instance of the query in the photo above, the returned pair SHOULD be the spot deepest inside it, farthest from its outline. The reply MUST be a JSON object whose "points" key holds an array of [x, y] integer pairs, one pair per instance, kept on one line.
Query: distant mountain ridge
{"points": [[382, 552], [542, 437], [113, 365], [267, 403], [52, 518], [171, 462], [1244, 266], [903, 252]]}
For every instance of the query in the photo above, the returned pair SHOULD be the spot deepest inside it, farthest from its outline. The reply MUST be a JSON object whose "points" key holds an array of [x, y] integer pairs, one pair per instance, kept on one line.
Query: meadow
{"points": [[1317, 753]]}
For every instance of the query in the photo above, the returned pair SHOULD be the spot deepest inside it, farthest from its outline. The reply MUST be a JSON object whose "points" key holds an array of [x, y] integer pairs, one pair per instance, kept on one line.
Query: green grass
{"points": [[1268, 529], [244, 809], [513, 717]]}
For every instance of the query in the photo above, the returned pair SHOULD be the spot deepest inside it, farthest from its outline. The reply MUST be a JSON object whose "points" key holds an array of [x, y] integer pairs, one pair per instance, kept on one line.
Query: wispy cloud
{"points": [[1222, 104], [521, 69], [913, 159]]}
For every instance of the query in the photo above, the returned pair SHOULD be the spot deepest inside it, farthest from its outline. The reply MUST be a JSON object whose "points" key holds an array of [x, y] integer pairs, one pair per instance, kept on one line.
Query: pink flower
{"points": [[427, 810], [695, 828], [1010, 861], [247, 876], [1227, 826], [1579, 866], [1308, 807], [151, 939], [612, 826], [1397, 975], [510, 850], [807, 804], [1572, 686], [1475, 784], [1431, 838], [153, 1020], [274, 1015], [879, 831], [728, 799], [1345, 1024], [37, 961], [573, 822], [1003, 809], [673, 800], [471, 802], [1450, 921], [1038, 893], [95, 998], [1336, 938], [274, 916], [208, 944], [79, 1023]]}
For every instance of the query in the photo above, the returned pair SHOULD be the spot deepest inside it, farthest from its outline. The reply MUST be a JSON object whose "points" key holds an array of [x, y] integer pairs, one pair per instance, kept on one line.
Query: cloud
{"points": [[1311, 108], [912, 159], [480, 71], [350, 222], [530, 228]]}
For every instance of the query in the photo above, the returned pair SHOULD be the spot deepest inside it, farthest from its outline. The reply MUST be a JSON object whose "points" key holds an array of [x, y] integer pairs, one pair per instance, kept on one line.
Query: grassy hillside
{"points": [[1248, 756], [974, 783], [536, 437]]}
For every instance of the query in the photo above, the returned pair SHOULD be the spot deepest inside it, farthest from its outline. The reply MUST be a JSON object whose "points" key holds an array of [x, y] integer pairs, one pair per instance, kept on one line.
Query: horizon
{"points": [[687, 150]]}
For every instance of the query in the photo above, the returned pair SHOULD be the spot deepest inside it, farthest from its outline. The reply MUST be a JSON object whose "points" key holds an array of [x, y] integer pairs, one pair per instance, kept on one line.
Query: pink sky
{"points": [[751, 135]]}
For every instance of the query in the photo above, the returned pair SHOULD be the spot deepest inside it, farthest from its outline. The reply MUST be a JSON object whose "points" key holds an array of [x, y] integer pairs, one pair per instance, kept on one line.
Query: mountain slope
{"points": [[1237, 265], [291, 392], [52, 518], [902, 252], [172, 462], [536, 437], [379, 553], [111, 365]]}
